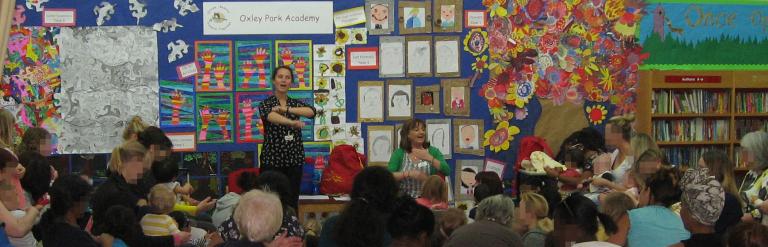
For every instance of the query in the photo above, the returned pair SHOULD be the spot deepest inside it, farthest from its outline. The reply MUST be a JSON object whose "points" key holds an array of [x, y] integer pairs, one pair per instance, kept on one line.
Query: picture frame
{"points": [[414, 17], [362, 58], [300, 61], [439, 135], [379, 144], [419, 56], [495, 166], [392, 56], [427, 99], [453, 103], [475, 19], [468, 136], [399, 100], [380, 25], [253, 65], [215, 57], [465, 178], [447, 16], [371, 96], [447, 56]]}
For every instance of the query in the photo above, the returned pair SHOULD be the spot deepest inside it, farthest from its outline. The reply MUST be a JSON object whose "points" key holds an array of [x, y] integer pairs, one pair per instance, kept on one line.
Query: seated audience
{"points": [[69, 200], [14, 222], [492, 227], [446, 222], [721, 167], [122, 226], [747, 234], [258, 217], [157, 222], [577, 221], [227, 203], [434, 193], [702, 202], [532, 219], [411, 224]]}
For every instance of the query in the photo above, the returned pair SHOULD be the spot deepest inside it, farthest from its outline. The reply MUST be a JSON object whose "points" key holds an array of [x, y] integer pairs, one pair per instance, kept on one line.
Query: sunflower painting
{"points": [[500, 137]]}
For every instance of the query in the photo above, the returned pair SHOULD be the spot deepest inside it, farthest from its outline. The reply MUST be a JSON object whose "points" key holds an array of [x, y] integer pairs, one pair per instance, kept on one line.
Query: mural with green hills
{"points": [[722, 50]]}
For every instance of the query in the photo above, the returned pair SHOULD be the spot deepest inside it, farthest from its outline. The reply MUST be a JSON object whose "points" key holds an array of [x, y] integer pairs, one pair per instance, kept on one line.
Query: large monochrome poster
{"points": [[108, 75]]}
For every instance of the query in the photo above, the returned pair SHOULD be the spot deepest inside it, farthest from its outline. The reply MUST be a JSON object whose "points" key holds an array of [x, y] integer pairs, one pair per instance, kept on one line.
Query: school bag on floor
{"points": [[344, 165]]}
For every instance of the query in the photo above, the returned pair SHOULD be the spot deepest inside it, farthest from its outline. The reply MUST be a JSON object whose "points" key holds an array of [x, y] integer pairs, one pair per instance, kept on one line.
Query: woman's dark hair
{"points": [[248, 181], [577, 209], [274, 72], [408, 125], [480, 192], [275, 182], [122, 223], [65, 192], [588, 139], [399, 93], [492, 180], [747, 234], [154, 136], [409, 220], [576, 156], [37, 179], [363, 221], [32, 139], [664, 187], [165, 170]]}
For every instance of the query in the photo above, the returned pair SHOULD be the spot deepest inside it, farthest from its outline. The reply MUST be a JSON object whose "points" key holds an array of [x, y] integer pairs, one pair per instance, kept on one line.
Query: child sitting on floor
{"points": [[574, 159], [158, 223]]}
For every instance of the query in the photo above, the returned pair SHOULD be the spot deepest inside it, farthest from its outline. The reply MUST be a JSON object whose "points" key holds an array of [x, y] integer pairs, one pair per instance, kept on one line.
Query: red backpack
{"points": [[345, 163]]}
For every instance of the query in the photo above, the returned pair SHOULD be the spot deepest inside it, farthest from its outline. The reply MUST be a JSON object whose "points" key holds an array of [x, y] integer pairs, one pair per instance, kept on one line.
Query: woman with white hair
{"points": [[754, 188], [258, 216], [492, 226]]}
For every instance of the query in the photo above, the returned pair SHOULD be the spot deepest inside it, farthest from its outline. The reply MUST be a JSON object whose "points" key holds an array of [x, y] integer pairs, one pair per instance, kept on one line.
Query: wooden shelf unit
{"points": [[731, 82]]}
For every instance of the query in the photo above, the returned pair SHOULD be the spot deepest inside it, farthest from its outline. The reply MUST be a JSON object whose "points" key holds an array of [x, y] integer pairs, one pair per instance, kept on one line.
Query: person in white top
{"points": [[618, 134]]}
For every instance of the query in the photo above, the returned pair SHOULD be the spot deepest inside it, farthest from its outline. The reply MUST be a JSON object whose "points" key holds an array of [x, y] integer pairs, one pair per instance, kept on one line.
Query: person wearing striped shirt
{"points": [[158, 223]]}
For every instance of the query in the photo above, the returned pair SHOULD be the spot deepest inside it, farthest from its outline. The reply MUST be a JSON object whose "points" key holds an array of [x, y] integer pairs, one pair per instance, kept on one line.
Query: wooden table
{"points": [[319, 209]]}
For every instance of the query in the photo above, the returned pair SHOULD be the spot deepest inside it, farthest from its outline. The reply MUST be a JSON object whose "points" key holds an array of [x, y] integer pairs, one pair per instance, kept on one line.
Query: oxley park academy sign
{"points": [[232, 18]]}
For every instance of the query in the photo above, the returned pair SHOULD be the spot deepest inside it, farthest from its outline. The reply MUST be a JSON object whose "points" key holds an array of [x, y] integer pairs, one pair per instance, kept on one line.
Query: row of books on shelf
{"points": [[696, 129], [687, 156], [752, 102], [744, 126], [690, 101]]}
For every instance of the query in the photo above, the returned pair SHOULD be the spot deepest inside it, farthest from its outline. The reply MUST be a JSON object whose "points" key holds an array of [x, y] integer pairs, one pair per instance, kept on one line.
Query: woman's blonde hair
{"points": [[7, 128], [617, 204], [721, 167], [640, 143], [648, 155], [623, 124], [537, 204], [434, 189], [161, 199], [134, 126], [125, 152]]}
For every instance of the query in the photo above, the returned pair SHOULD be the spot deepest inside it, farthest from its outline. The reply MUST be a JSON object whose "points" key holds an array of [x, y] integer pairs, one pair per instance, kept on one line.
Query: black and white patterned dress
{"points": [[282, 144]]}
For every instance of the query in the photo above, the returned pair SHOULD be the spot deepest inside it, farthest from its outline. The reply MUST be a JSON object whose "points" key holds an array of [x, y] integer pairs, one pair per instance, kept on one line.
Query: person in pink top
{"points": [[434, 193]]}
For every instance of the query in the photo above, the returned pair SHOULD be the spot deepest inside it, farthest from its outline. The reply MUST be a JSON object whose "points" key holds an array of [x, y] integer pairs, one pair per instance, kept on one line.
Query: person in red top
{"points": [[434, 194], [574, 159]]}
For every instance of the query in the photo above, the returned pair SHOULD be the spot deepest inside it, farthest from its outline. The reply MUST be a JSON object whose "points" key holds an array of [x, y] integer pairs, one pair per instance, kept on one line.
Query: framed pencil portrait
{"points": [[427, 99], [399, 100], [380, 144], [447, 16], [415, 17], [419, 55], [447, 56], [467, 136], [465, 177], [380, 16], [392, 56], [370, 101], [456, 97], [439, 135]]}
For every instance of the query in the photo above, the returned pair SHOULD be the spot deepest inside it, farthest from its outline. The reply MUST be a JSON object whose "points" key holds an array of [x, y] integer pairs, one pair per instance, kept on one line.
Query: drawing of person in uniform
{"points": [[380, 16]]}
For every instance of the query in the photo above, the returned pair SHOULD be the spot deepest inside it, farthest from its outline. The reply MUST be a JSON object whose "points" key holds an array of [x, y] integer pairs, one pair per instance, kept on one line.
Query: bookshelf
{"points": [[689, 112]]}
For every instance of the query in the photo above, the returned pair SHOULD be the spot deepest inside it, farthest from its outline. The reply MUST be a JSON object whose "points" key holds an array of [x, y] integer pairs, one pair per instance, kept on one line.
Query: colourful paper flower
{"points": [[521, 113], [596, 114], [606, 79], [518, 94], [476, 41], [500, 137], [480, 63]]}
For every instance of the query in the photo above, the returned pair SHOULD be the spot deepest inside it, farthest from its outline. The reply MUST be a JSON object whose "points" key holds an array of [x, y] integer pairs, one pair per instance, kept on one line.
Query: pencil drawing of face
{"points": [[400, 100], [447, 15], [468, 134], [371, 97], [380, 16], [438, 137], [381, 147]]}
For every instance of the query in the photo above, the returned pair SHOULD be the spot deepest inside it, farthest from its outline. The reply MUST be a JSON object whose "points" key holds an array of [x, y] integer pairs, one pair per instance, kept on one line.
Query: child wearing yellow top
{"points": [[158, 223]]}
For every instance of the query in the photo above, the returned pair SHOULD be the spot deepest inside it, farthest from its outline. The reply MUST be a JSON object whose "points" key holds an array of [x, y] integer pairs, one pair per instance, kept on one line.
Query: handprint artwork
{"points": [[254, 66], [215, 57], [296, 54]]}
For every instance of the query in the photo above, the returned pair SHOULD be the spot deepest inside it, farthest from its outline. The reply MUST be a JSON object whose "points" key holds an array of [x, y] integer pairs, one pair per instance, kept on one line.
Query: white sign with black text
{"points": [[232, 18]]}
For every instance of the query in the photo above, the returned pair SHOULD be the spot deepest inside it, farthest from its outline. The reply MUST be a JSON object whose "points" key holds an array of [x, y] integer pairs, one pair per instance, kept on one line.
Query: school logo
{"points": [[218, 18]]}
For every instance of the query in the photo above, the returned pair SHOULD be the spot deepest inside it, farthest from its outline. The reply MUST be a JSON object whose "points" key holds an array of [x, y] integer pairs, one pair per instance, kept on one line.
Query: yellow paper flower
{"points": [[606, 79], [519, 94], [480, 64], [476, 41], [500, 137], [596, 114]]}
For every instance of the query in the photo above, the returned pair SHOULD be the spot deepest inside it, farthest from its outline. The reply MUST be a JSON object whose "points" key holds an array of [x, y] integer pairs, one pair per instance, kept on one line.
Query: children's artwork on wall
{"points": [[447, 56], [177, 104], [214, 120], [370, 101], [296, 54], [419, 56], [456, 97], [415, 17], [215, 58], [317, 153], [495, 166], [465, 178], [254, 65], [329, 52], [399, 100], [476, 41], [392, 56], [427, 99], [467, 137], [351, 36], [235, 160], [33, 78], [307, 98], [338, 132], [329, 60], [380, 15], [380, 143], [448, 16], [439, 135], [250, 127], [95, 108], [397, 134]]}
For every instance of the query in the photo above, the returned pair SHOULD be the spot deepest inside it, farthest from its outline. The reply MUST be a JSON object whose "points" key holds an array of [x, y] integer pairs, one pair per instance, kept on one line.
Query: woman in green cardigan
{"points": [[415, 160]]}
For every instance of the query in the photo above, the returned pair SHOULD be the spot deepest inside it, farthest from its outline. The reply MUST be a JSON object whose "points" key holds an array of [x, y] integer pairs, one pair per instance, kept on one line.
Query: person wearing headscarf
{"points": [[703, 200]]}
